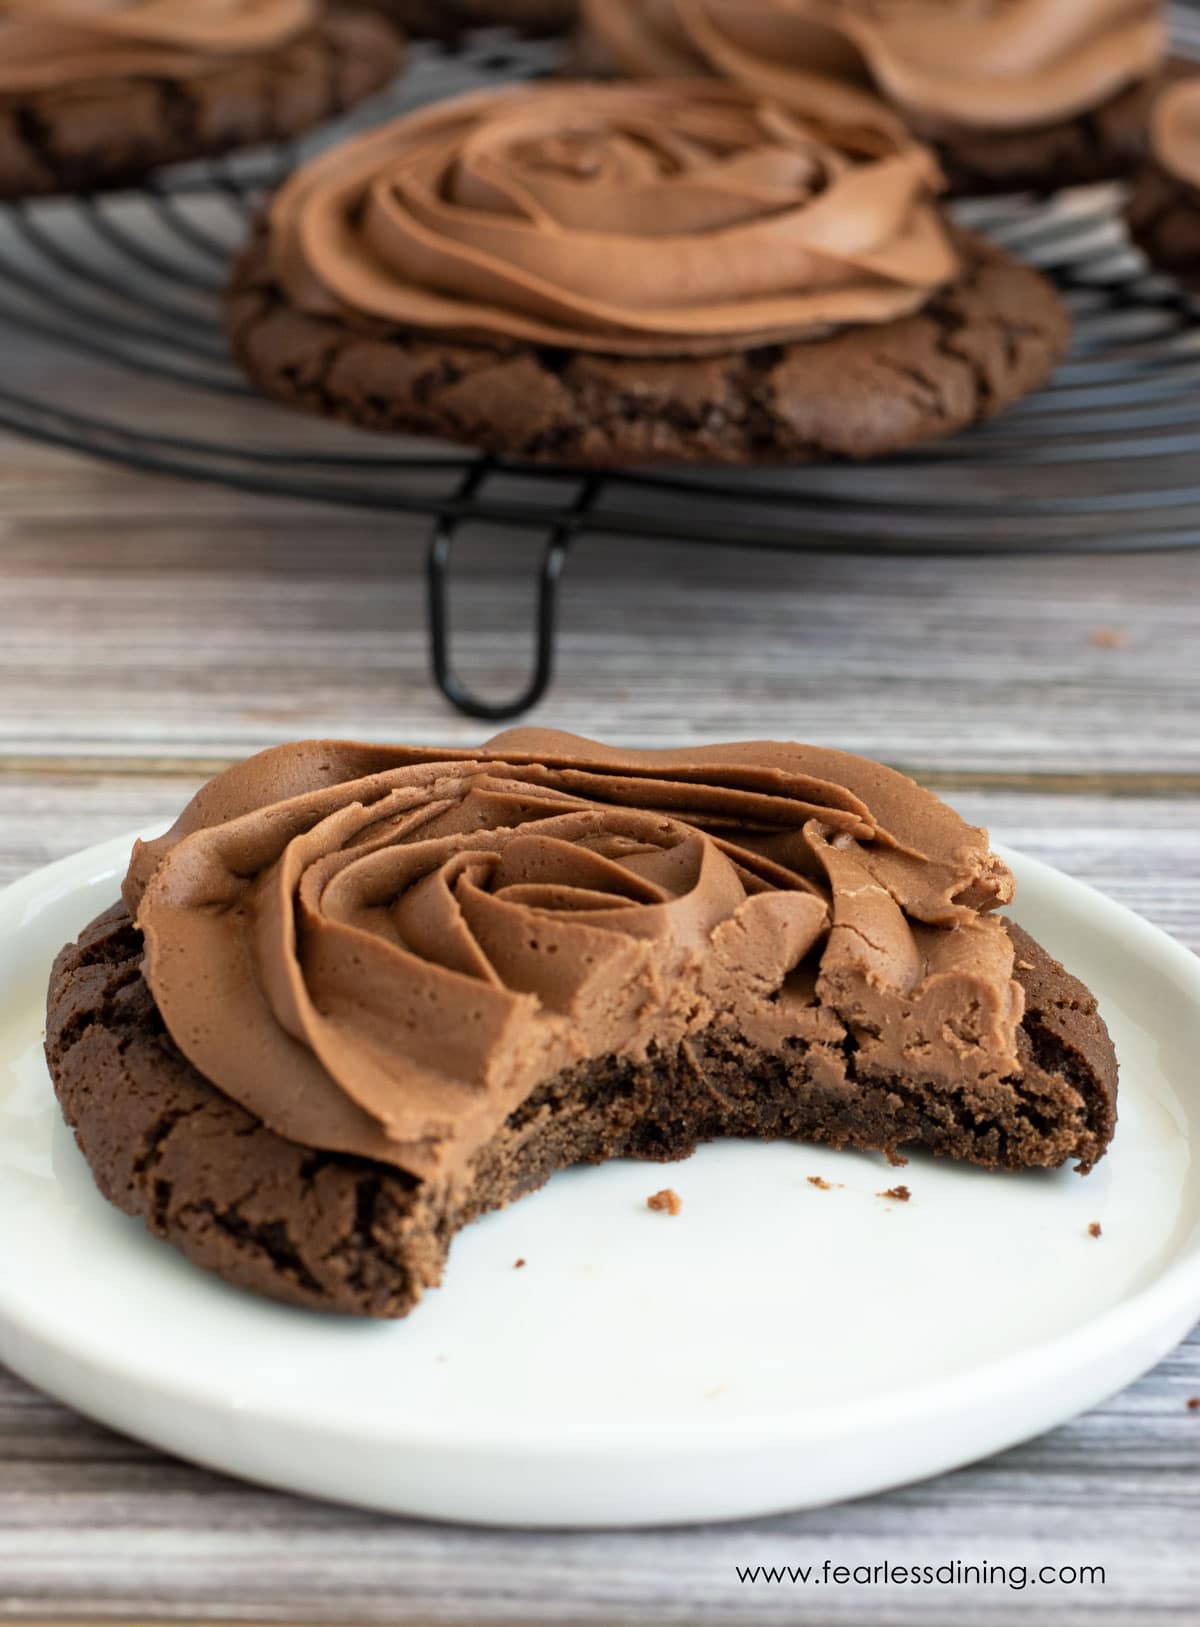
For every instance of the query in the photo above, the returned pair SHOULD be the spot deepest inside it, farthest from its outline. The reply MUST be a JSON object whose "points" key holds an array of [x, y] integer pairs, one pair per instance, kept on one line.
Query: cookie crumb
{"points": [[1094, 1229], [665, 1202], [899, 1194], [517, 1264], [1108, 638], [820, 1183], [1193, 1403]]}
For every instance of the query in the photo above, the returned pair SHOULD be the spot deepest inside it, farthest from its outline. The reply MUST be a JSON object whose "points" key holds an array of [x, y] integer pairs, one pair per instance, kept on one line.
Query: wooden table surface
{"points": [[152, 631]]}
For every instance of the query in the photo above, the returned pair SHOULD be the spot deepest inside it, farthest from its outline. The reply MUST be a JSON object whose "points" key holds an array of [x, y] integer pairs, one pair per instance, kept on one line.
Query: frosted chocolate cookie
{"points": [[359, 995], [633, 273], [96, 96], [1164, 207], [1015, 94]]}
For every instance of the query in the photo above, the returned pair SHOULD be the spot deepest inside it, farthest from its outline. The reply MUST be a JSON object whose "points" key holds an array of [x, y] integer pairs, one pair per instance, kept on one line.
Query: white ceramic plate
{"points": [[774, 1346]]}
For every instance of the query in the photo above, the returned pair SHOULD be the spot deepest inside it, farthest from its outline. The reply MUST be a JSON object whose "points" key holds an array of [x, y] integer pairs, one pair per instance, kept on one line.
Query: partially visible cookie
{"points": [[807, 299], [1164, 207], [1012, 100], [448, 19], [115, 106], [1104, 143]]}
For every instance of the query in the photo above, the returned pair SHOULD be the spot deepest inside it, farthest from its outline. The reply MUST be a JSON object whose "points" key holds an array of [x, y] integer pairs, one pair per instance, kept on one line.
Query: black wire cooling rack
{"points": [[1105, 459]]}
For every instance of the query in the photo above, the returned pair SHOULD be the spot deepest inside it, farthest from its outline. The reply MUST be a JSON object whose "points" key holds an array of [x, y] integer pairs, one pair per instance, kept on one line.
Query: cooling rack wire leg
{"points": [[558, 541]]}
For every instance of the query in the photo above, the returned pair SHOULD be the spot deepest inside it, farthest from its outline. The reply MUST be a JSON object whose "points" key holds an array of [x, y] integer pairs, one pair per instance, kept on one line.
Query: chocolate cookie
{"points": [[1164, 205], [1106, 143], [338, 1233], [1109, 142], [984, 343], [376, 991], [608, 346], [1010, 100], [71, 127], [448, 19]]}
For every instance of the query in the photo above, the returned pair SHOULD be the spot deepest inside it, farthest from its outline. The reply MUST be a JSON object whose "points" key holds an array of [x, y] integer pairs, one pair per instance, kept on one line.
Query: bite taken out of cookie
{"points": [[360, 995]]}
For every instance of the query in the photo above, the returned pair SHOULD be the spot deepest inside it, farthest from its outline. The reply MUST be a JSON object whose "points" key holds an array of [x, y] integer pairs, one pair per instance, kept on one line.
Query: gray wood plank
{"points": [[106, 1532], [149, 618]]}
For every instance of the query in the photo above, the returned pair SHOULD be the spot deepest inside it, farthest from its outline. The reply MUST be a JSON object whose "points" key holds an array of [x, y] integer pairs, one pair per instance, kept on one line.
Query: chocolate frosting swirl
{"points": [[384, 950], [628, 219], [57, 44], [1175, 130], [987, 64]]}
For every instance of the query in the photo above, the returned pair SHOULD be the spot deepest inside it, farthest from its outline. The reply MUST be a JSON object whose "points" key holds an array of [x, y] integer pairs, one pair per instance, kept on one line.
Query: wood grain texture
{"points": [[151, 631], [145, 617], [94, 1526]]}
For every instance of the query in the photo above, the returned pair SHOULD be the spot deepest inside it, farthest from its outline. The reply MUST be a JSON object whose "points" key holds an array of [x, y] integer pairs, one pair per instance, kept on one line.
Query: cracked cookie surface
{"points": [[980, 345], [337, 1233], [114, 133]]}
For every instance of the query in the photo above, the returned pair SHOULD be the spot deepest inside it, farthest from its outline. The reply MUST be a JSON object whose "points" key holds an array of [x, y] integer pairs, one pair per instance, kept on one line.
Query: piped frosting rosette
{"points": [[384, 951], [984, 64], [56, 44], [682, 219]]}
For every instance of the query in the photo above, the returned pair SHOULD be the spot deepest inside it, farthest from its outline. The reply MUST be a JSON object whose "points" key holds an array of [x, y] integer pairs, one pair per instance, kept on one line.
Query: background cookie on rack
{"points": [[1164, 208], [633, 273], [96, 100], [1038, 96]]}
